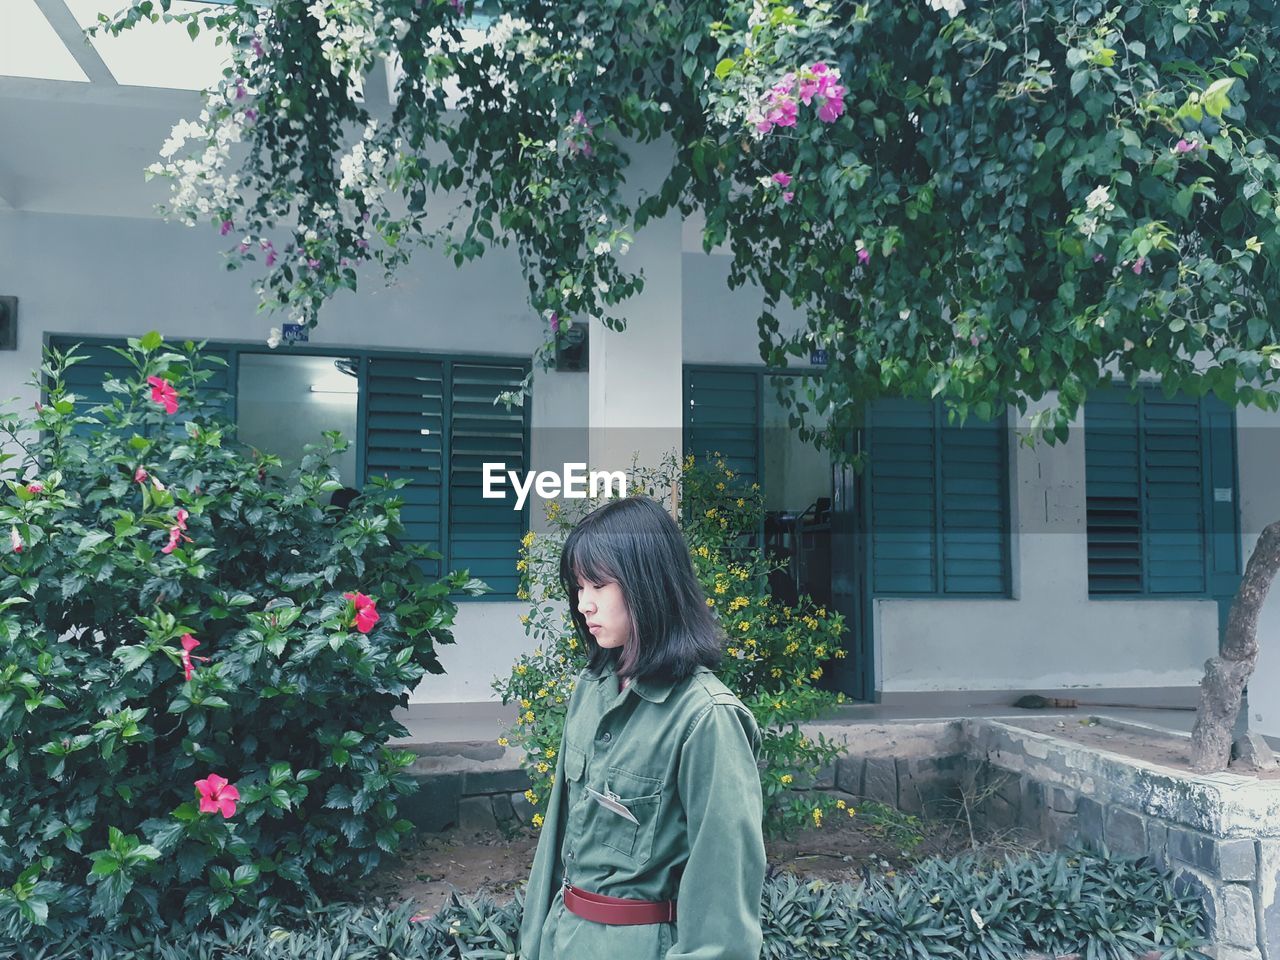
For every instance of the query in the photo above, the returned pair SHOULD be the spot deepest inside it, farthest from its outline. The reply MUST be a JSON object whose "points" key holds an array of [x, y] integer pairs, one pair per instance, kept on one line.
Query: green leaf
{"points": [[132, 657], [724, 68], [91, 540], [150, 341]]}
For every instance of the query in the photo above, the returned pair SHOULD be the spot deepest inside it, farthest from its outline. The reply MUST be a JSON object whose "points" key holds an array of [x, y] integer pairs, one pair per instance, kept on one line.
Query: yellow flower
{"points": [[704, 552], [755, 486], [550, 752], [528, 538], [729, 474], [521, 669], [751, 641], [851, 811], [787, 778], [817, 674], [531, 796], [840, 804], [776, 672], [522, 564], [559, 699], [711, 513], [722, 588], [529, 717], [542, 767], [723, 523], [817, 817], [777, 704], [573, 645], [525, 703], [710, 602], [524, 619], [820, 652], [719, 486], [553, 509], [732, 651], [741, 502], [522, 594], [792, 647], [503, 742], [840, 654], [744, 625], [537, 820], [541, 694], [688, 462]]}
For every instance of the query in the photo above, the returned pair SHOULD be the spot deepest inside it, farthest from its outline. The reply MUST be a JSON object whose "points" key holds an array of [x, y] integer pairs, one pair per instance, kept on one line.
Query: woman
{"points": [[652, 845]]}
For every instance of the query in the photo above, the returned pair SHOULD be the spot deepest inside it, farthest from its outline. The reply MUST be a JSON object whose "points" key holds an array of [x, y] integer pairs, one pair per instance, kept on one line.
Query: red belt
{"points": [[617, 910]]}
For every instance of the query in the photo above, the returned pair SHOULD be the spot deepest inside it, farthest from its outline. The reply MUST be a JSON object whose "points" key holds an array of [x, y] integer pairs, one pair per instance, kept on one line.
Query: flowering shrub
{"points": [[773, 652], [140, 779]]}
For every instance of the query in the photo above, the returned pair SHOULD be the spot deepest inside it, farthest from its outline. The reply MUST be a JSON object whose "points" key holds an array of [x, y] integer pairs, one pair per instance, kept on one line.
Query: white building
{"points": [[970, 567]]}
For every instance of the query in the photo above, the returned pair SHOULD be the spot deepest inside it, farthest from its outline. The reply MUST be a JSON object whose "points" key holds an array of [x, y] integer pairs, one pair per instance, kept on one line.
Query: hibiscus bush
{"points": [[199, 660], [774, 653]]}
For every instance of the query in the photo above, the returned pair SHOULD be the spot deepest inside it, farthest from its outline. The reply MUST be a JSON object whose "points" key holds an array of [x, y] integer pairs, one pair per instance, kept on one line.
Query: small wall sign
{"points": [[818, 358], [295, 333]]}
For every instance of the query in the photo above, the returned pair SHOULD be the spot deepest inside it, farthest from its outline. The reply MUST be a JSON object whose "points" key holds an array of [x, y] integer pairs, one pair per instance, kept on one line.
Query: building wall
{"points": [[110, 276]]}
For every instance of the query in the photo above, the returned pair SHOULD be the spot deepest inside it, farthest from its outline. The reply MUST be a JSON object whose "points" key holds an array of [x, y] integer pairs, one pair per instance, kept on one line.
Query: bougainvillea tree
{"points": [[993, 203]]}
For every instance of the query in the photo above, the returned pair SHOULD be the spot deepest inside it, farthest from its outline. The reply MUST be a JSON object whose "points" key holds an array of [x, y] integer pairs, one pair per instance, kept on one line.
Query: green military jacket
{"points": [[682, 758]]}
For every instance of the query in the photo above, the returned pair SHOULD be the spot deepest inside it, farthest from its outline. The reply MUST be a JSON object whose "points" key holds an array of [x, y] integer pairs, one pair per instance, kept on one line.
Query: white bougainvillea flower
{"points": [[1100, 198], [952, 7]]}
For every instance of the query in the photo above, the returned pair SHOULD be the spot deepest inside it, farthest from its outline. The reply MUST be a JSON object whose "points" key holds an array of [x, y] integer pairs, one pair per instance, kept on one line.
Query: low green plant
{"points": [[774, 652], [1060, 903], [198, 661]]}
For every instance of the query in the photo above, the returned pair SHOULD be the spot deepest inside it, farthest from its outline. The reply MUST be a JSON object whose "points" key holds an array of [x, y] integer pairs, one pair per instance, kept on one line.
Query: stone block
{"points": [[1034, 807], [1126, 832], [495, 781], [1226, 952], [1089, 821], [927, 787], [849, 774], [1061, 829], [1269, 896], [523, 808], [1008, 786], [1187, 881], [880, 780], [433, 807], [1237, 860], [826, 778], [1063, 800], [1158, 842], [475, 814], [1238, 924], [503, 811], [1193, 848]]}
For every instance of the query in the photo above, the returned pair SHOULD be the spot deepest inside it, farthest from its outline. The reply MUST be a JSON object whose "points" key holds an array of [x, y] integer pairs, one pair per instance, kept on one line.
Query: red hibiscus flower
{"points": [[163, 393], [217, 796], [177, 531], [189, 643], [366, 611]]}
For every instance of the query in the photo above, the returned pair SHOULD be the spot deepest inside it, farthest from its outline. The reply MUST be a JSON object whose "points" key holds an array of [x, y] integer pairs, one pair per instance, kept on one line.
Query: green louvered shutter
{"points": [[404, 437], [87, 378], [938, 501], [484, 535], [974, 503], [1145, 494], [722, 415], [1113, 494], [902, 497], [1174, 490]]}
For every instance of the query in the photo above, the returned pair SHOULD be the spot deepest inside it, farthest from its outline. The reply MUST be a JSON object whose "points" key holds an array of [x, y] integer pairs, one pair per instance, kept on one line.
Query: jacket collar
{"points": [[653, 689]]}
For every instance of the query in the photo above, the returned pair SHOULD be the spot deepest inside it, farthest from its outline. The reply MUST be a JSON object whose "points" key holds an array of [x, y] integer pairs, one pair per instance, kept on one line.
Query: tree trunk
{"points": [[1226, 674]]}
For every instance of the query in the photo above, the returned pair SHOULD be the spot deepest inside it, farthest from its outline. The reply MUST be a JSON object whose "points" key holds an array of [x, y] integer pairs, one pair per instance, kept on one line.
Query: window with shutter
{"points": [[722, 416], [937, 498], [1149, 484]]}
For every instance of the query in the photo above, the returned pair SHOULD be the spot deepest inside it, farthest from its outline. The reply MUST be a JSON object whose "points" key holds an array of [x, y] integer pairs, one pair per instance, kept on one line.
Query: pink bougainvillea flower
{"points": [[177, 531], [555, 323], [250, 115], [189, 643], [864, 255], [1138, 265], [227, 227], [256, 44], [1098, 258], [366, 611], [1185, 146], [312, 262], [782, 179], [163, 393], [787, 196], [35, 488], [217, 796], [15, 540], [831, 109]]}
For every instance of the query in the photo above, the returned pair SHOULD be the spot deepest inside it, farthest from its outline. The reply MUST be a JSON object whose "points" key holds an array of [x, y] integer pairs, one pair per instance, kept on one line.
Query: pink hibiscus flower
{"points": [[366, 611], [177, 531], [189, 643], [217, 795], [163, 393]]}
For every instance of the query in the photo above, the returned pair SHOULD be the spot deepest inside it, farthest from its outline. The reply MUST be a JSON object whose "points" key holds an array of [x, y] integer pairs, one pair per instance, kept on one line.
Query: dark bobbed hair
{"points": [[634, 543]]}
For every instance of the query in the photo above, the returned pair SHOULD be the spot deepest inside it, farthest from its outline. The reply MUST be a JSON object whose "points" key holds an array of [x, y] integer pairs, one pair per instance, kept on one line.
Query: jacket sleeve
{"points": [[547, 871], [718, 906]]}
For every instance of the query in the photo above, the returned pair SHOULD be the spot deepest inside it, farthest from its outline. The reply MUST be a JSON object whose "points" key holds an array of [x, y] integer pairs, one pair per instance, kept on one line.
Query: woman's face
{"points": [[605, 611]]}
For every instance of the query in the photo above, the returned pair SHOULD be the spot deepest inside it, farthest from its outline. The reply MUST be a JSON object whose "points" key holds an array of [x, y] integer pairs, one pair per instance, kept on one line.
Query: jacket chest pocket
{"points": [[640, 796]]}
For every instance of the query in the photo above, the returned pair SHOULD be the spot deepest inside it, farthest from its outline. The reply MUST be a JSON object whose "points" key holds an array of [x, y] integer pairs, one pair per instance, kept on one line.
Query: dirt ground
{"points": [[1168, 751], [844, 849]]}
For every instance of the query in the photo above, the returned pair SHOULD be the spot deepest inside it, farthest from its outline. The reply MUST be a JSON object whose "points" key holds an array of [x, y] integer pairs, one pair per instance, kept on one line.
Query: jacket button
{"points": [[606, 736], [569, 855]]}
